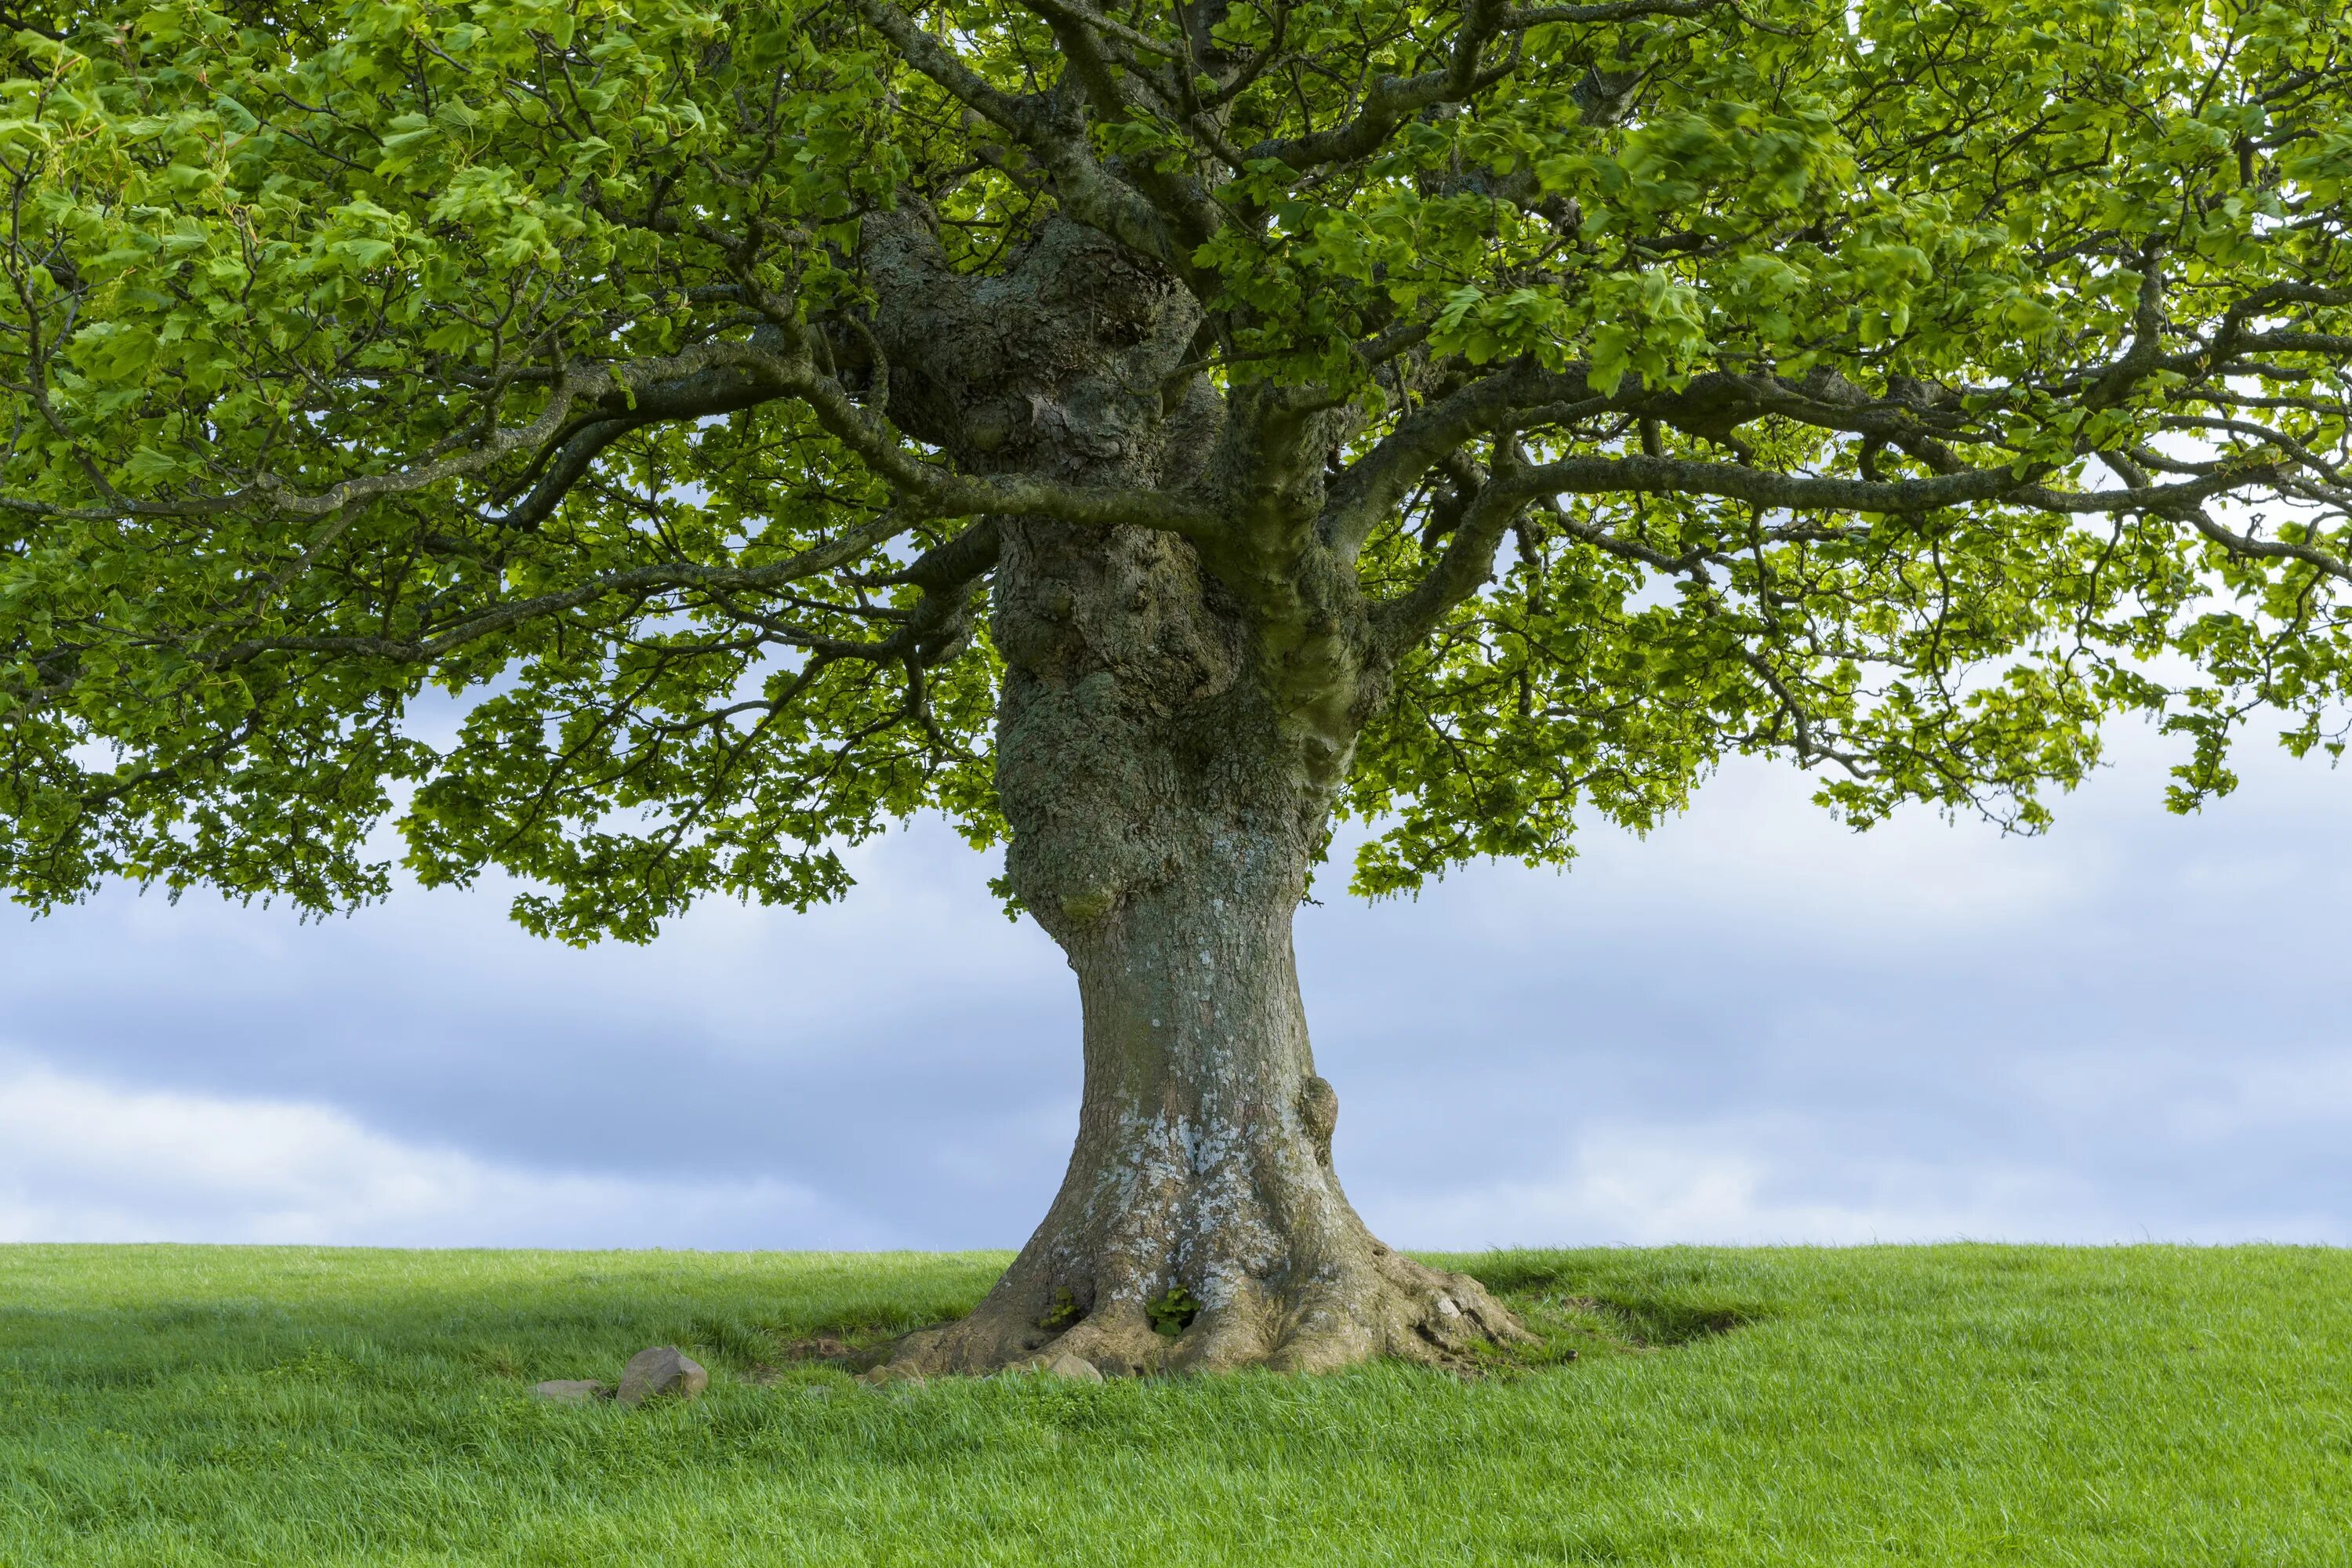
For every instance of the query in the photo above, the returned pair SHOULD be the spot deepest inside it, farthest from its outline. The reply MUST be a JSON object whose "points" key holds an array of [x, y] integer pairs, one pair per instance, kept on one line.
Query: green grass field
{"points": [[2178, 1408]]}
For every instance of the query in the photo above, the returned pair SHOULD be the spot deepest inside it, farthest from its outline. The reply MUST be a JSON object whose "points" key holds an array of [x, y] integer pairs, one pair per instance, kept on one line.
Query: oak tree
{"points": [[646, 446]]}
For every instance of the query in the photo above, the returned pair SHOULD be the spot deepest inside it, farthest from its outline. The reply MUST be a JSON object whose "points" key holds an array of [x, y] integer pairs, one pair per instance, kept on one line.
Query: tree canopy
{"points": [[534, 421]]}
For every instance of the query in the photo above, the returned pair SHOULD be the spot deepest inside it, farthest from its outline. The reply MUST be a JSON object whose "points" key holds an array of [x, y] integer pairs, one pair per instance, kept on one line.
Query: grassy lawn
{"points": [[1952, 1404]]}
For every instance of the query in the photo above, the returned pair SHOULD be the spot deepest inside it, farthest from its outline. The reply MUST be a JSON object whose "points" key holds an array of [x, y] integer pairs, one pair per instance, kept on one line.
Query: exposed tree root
{"points": [[1374, 1303]]}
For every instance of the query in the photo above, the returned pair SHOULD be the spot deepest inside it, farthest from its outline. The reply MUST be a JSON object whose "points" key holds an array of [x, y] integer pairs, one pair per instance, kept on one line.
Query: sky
{"points": [[1754, 1025]]}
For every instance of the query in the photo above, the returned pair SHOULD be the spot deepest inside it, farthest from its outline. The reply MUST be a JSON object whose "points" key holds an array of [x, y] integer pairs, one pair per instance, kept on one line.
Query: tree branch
{"points": [[1795, 493], [711, 378], [1087, 190], [1393, 99]]}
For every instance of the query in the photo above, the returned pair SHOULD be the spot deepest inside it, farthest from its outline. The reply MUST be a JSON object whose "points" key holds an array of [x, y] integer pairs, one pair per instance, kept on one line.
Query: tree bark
{"points": [[1169, 737], [1201, 1225], [1166, 805]]}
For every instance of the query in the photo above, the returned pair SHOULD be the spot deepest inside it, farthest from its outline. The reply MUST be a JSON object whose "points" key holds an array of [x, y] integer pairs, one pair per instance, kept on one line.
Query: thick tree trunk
{"points": [[1201, 1224], [1170, 738], [1165, 810]]}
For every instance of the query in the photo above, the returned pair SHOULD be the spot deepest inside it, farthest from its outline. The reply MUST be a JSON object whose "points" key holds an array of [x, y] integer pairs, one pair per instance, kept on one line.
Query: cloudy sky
{"points": [[1752, 1026]]}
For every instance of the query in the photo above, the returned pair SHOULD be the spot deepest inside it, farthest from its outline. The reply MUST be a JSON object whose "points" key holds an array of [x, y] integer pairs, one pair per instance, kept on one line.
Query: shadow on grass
{"points": [[456, 1319], [1577, 1303]]}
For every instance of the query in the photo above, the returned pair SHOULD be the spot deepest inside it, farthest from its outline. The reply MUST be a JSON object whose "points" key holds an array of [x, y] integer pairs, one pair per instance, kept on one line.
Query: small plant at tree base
{"points": [[1148, 440], [1063, 1312], [1172, 1311]]}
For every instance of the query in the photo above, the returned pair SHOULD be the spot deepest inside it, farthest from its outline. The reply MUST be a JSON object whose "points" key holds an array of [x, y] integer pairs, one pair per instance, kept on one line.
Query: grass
{"points": [[2179, 1407]]}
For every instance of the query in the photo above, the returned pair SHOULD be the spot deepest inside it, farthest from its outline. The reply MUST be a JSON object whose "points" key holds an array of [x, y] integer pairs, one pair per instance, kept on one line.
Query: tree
{"points": [[645, 448]]}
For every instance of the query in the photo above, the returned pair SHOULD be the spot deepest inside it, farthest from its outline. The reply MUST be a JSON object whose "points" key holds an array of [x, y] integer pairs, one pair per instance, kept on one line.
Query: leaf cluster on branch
{"points": [[551, 424]]}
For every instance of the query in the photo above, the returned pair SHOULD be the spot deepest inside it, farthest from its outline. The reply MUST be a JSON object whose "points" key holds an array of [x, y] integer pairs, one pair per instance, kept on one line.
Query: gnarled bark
{"points": [[1201, 1196], [1167, 790], [1171, 733]]}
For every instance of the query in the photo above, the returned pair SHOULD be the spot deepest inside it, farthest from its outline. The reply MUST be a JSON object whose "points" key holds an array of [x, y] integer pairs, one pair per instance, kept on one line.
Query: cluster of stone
{"points": [[656, 1372]]}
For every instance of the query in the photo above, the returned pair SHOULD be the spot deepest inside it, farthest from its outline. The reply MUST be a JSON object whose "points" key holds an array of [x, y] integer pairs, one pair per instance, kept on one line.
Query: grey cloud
{"points": [[2131, 1026]]}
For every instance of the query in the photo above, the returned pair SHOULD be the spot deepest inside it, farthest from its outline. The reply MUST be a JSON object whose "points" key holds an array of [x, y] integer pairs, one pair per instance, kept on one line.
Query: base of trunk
{"points": [[1334, 1298], [1399, 1309], [1163, 840]]}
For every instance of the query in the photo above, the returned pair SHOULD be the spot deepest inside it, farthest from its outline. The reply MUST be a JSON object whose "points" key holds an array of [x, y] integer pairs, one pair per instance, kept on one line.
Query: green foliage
{"points": [[311, 307], [315, 240], [1821, 202], [1172, 1311], [1063, 1313], [204, 1406]]}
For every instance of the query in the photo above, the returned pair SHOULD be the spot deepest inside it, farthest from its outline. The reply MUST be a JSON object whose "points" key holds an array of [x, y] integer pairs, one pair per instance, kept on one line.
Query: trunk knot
{"points": [[1319, 1108], [1091, 903]]}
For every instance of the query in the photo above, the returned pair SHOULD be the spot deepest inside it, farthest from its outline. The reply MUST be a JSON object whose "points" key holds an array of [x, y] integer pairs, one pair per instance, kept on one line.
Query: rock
{"points": [[570, 1390], [661, 1369]]}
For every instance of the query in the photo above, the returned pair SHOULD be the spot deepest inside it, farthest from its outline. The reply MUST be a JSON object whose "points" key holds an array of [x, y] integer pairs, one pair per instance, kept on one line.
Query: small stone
{"points": [[661, 1369], [1446, 1308], [1077, 1369], [570, 1390]]}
